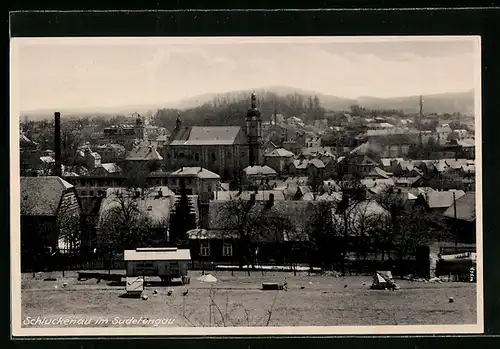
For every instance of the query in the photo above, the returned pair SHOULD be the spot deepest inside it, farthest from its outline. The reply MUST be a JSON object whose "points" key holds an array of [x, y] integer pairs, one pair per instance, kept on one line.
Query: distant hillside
{"points": [[462, 102], [439, 103], [327, 101]]}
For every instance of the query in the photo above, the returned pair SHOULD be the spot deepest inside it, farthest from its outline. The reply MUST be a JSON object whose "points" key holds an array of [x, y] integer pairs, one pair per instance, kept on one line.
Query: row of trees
{"points": [[224, 109], [332, 229]]}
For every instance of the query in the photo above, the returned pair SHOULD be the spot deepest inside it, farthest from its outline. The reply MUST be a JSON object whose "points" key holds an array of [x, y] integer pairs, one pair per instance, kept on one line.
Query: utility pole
{"points": [[421, 106], [455, 220]]}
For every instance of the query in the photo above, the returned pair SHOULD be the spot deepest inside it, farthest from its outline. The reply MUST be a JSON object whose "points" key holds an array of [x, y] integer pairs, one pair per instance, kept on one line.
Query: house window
{"points": [[84, 192], [213, 157], [91, 193], [204, 248], [197, 157], [227, 249]]}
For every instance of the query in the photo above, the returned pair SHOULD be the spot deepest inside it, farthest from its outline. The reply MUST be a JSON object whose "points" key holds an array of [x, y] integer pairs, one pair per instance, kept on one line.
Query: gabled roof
{"points": [[443, 199], [23, 140], [406, 180], [111, 167], [378, 173], [95, 155], [206, 135], [199, 172], [280, 152], [334, 197], [40, 196], [156, 207], [296, 180], [143, 153], [331, 185], [47, 159], [311, 151], [300, 164], [370, 183], [422, 191], [386, 162], [361, 160], [465, 208], [316, 163], [259, 171]]}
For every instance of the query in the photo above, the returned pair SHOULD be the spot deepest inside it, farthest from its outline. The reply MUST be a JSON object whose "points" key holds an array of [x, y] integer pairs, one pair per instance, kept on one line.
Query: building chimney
{"points": [[160, 193], [57, 144]]}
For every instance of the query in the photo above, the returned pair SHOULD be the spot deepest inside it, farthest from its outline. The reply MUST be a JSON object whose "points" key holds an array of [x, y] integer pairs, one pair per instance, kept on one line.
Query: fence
{"points": [[456, 249], [350, 266], [457, 270]]}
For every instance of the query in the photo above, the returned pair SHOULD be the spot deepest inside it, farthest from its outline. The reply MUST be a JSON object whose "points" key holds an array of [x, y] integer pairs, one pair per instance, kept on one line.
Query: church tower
{"points": [[254, 132], [139, 130]]}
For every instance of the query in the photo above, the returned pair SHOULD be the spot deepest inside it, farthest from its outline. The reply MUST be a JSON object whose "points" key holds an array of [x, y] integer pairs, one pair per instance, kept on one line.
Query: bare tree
{"points": [[136, 179], [323, 232], [353, 192], [124, 225], [410, 227], [253, 223]]}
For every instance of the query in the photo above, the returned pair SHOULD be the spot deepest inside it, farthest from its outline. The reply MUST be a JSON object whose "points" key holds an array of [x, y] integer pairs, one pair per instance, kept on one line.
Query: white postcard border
{"points": [[16, 321]]}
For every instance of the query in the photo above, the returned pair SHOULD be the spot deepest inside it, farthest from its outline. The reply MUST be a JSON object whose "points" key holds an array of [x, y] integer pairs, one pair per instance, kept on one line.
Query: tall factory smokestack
{"points": [[421, 105], [57, 144]]}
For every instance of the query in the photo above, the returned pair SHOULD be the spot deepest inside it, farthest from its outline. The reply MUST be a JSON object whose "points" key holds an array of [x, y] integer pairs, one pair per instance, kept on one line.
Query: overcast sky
{"points": [[106, 72]]}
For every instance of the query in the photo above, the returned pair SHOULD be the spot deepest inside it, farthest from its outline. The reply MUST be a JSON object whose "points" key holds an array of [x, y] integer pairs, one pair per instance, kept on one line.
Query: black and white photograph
{"points": [[246, 185]]}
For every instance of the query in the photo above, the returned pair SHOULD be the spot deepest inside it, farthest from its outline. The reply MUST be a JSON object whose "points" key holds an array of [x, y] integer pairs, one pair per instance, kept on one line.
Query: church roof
{"points": [[206, 135]]}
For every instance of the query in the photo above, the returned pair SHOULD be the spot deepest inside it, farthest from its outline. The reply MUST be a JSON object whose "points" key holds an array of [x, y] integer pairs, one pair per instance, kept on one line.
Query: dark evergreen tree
{"points": [[182, 219]]}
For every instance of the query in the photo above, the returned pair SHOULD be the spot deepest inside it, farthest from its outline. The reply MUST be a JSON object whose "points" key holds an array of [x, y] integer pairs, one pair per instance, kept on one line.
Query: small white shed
{"points": [[166, 262]]}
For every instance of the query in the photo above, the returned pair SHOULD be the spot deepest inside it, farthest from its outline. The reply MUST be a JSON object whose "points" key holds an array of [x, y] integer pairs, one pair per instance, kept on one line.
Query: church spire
{"points": [[254, 100]]}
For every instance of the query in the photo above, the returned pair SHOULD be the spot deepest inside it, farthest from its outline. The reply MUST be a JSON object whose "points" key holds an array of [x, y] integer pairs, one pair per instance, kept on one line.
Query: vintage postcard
{"points": [[230, 186]]}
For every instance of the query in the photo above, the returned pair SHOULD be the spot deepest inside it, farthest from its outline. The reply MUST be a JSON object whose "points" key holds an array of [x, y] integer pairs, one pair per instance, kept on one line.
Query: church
{"points": [[225, 150]]}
